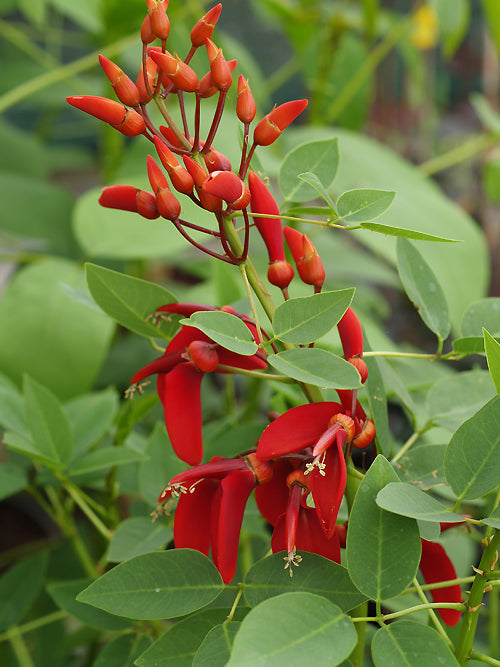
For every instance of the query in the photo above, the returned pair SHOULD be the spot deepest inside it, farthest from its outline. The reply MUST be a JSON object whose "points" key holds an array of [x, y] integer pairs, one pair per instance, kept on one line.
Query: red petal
{"points": [[328, 489], [296, 429], [436, 566], [236, 488], [310, 536], [192, 517], [253, 362], [162, 365], [183, 418], [272, 498]]}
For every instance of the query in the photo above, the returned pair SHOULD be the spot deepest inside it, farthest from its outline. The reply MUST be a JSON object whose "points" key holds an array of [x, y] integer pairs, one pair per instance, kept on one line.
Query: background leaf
{"points": [[411, 644], [319, 157], [136, 536], [216, 648]]}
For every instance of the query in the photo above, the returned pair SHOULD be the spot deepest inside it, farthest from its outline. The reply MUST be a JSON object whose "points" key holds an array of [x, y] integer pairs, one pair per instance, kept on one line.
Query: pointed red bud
{"points": [[219, 67], [305, 255], [273, 124], [207, 85], [366, 436], [216, 161], [129, 198], [126, 121], [197, 172], [157, 178], [204, 28], [351, 334], [280, 273], [172, 138], [208, 201], [360, 365], [183, 77], [160, 24], [203, 355], [147, 33], [168, 205], [125, 89], [245, 103], [181, 179], [229, 187]]}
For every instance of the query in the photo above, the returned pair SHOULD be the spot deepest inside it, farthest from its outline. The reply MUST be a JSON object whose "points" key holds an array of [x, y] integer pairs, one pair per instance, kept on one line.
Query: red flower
{"points": [[212, 500], [282, 502], [189, 355]]}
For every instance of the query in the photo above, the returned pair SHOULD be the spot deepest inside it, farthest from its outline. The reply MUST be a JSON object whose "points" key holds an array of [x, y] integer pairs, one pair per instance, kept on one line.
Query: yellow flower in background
{"points": [[425, 28]]}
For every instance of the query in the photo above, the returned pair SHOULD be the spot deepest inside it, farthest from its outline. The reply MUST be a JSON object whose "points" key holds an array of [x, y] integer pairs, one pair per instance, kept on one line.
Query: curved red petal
{"points": [[184, 337], [328, 489], [272, 498], [310, 536], [296, 429], [436, 566], [192, 517], [183, 418], [236, 488], [253, 362]]}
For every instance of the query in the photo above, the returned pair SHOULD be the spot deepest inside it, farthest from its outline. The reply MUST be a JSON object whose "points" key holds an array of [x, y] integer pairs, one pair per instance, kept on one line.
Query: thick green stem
{"points": [[474, 603], [358, 654], [33, 625], [19, 647]]}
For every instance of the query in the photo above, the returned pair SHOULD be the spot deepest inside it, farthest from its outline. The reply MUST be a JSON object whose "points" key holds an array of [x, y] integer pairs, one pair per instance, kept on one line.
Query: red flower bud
{"points": [[181, 74], [172, 138], [351, 334], [309, 264], [280, 273], [230, 188], [157, 178], [216, 161], [147, 33], [126, 121], [157, 10], [151, 72], [360, 365], [125, 89], [181, 179], [208, 201], [219, 67], [203, 355], [273, 124], [204, 28], [168, 205], [365, 437], [207, 85], [129, 198], [245, 104]]}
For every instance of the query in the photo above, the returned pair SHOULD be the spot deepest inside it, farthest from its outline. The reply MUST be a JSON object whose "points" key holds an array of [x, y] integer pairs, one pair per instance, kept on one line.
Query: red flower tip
{"points": [[181, 179], [360, 365], [147, 33], [203, 355], [168, 205], [126, 121], [351, 334], [129, 198], [151, 72], [125, 89], [156, 177], [273, 124], [228, 186], [160, 23], [208, 201], [219, 67], [305, 255], [216, 161], [183, 77], [204, 28], [280, 273], [270, 229], [245, 103]]}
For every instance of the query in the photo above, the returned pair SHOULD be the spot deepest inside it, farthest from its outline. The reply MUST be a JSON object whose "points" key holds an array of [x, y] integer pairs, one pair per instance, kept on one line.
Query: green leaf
{"points": [[13, 479], [12, 407], [410, 644], [19, 588], [423, 466], [177, 647], [319, 157], [363, 205], [470, 345], [216, 647], [423, 289], [472, 460], [128, 300], [316, 366], [407, 500], [305, 319], [390, 544], [50, 429], [377, 402], [483, 313], [404, 233], [315, 574], [64, 594], [91, 416], [156, 585], [453, 18], [137, 536], [103, 458], [55, 339], [122, 651], [290, 629], [225, 329], [487, 115], [494, 519], [314, 182], [452, 400], [492, 349]]}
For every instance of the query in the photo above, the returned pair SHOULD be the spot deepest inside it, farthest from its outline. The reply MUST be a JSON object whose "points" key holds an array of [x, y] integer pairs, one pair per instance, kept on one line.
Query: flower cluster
{"points": [[298, 469]]}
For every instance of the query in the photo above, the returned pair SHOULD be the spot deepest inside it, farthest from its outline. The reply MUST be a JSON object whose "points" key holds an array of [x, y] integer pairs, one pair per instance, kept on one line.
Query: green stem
{"points": [[370, 64], [413, 438], [74, 492], [256, 374], [481, 657], [34, 625], [38, 83], [466, 150], [19, 647], [432, 614], [83, 554], [410, 610], [281, 75], [358, 654], [440, 584], [473, 605]]}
